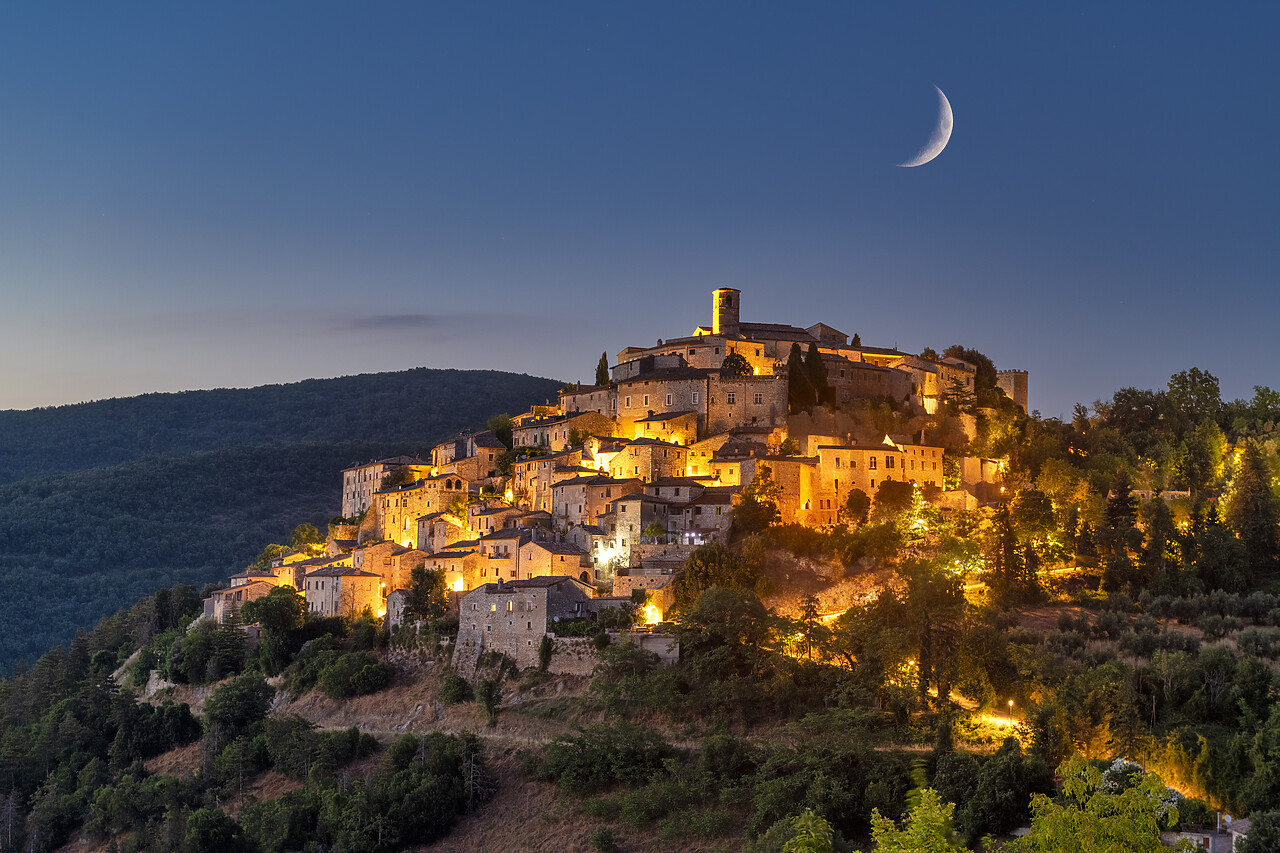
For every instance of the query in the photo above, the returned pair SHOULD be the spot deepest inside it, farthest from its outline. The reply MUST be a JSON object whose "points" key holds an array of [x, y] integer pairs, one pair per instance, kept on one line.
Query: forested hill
{"points": [[406, 406], [103, 503]]}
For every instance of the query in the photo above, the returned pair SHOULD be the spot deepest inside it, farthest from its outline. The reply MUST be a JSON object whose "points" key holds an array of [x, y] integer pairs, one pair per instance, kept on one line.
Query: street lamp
{"points": [[1010, 709]]}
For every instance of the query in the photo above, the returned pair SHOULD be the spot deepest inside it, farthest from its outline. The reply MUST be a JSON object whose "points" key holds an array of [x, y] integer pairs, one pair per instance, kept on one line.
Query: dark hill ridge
{"points": [[408, 406], [102, 503]]}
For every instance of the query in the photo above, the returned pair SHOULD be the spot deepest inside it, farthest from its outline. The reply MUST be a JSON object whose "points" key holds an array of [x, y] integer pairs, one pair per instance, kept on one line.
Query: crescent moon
{"points": [[941, 135]]}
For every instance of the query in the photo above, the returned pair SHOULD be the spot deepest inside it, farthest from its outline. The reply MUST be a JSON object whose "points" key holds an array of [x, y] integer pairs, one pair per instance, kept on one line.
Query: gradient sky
{"points": [[232, 194]]}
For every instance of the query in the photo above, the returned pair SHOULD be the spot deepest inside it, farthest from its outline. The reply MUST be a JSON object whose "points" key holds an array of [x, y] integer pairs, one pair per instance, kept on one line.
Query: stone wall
{"points": [[572, 656]]}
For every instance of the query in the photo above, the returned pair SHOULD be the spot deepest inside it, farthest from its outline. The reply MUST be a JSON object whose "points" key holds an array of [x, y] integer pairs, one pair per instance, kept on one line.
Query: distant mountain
{"points": [[102, 503]]}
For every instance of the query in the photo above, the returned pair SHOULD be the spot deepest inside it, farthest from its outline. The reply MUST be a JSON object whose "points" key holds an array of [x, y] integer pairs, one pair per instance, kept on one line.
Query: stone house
{"points": [[581, 500], [439, 530], [343, 591], [462, 564], [396, 601], [400, 507], [392, 562], [541, 558], [512, 618], [532, 477], [553, 432], [672, 427], [601, 399], [648, 459], [361, 482], [246, 586]]}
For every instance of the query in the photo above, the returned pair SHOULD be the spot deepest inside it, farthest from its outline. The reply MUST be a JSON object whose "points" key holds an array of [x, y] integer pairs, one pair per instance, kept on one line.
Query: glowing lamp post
{"points": [[1010, 709]]}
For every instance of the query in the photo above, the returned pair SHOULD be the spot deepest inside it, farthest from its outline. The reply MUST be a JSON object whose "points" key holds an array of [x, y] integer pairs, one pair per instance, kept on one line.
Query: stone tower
{"points": [[724, 310], [1014, 384]]}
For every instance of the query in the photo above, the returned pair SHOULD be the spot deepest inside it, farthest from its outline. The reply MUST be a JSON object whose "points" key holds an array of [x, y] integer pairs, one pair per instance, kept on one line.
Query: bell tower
{"points": [[724, 310]]}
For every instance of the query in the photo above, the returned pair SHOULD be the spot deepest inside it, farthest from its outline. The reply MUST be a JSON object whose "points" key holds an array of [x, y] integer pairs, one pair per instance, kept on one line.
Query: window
{"points": [[646, 399], [871, 463], [757, 350], [717, 350], [668, 399], [691, 350], [888, 462], [695, 398], [731, 398], [493, 608], [628, 402], [759, 399], [510, 606]]}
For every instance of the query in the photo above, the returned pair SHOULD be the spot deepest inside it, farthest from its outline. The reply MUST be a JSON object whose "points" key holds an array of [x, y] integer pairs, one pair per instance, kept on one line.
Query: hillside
{"points": [[413, 406], [105, 502]]}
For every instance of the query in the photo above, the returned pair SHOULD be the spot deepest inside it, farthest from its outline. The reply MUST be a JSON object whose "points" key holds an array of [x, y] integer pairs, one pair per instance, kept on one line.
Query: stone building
{"points": [[392, 562], [512, 618], [343, 591], [361, 482], [648, 459], [553, 432], [581, 500]]}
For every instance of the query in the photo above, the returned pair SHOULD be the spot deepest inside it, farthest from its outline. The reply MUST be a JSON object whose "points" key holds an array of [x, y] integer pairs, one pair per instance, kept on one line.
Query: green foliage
{"points": [[857, 507], [927, 828], [602, 369], [709, 566], [304, 536], [545, 647], [428, 597], [454, 690], [735, 364], [236, 706], [1089, 817], [602, 840], [501, 426], [604, 755], [1253, 511], [489, 695], [356, 673], [186, 488]]}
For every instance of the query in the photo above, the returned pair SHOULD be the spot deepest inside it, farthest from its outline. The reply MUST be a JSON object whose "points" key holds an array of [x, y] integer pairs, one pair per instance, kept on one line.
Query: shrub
{"points": [[602, 840], [454, 690], [355, 674]]}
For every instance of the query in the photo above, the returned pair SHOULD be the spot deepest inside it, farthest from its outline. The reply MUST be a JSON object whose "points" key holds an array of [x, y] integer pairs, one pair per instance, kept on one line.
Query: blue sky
{"points": [[230, 194]]}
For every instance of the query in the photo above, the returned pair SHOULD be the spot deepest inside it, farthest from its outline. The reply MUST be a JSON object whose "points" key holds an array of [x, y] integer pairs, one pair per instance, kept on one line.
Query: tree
{"points": [[813, 633], [303, 536], [501, 425], [237, 705], [801, 395], [927, 828], [1119, 536], [400, 475], [1194, 393], [428, 598], [736, 364], [812, 834], [710, 566], [857, 341], [1158, 564], [999, 801], [209, 830], [856, 507], [602, 369], [935, 600], [280, 612], [1253, 511], [1264, 833], [817, 373], [490, 698], [1091, 819]]}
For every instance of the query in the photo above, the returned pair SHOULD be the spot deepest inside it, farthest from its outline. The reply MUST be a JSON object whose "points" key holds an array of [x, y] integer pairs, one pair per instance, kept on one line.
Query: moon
{"points": [[941, 135]]}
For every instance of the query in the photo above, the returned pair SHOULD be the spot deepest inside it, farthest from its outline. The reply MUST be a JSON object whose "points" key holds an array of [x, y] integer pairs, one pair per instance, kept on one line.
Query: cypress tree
{"points": [[800, 392], [817, 373], [602, 369], [1254, 511]]}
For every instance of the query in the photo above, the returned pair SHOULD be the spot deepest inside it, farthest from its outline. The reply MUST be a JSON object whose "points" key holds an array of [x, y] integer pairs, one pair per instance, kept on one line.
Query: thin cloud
{"points": [[400, 322]]}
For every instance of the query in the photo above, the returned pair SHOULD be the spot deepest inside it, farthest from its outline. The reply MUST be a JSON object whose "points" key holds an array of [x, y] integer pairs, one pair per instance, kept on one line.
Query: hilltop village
{"points": [[598, 498]]}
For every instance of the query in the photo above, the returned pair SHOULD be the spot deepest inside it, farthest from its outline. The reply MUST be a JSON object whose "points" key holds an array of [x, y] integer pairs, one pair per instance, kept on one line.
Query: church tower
{"points": [[724, 310]]}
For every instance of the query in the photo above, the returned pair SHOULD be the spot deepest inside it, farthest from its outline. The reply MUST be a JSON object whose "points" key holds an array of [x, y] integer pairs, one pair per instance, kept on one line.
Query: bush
{"points": [[454, 690], [602, 840], [355, 674], [604, 755]]}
